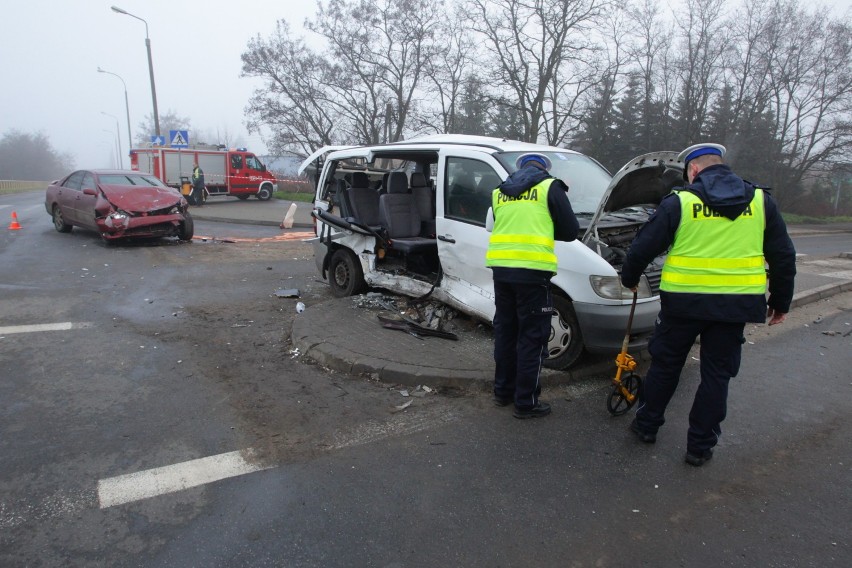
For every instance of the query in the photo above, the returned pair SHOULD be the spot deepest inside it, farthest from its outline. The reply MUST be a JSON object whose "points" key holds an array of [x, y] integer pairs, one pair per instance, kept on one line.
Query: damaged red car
{"points": [[118, 204]]}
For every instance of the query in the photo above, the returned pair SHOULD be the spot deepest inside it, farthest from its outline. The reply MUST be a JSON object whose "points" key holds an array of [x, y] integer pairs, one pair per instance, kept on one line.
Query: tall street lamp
{"points": [[117, 139], [126, 106], [150, 65], [114, 138]]}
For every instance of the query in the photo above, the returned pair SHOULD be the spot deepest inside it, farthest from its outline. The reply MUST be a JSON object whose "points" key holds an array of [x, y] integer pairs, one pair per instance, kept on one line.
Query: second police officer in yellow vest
{"points": [[721, 230], [531, 210]]}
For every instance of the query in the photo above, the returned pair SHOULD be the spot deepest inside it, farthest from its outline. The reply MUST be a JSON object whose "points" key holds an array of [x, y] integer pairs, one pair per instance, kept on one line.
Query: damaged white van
{"points": [[410, 217]]}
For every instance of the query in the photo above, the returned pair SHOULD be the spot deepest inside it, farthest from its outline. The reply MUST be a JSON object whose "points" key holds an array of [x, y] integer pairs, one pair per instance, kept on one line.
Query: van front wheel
{"points": [[565, 344], [345, 274]]}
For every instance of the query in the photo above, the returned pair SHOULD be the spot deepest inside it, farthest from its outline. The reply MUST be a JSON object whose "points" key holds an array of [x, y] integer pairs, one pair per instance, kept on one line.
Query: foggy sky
{"points": [[50, 51]]}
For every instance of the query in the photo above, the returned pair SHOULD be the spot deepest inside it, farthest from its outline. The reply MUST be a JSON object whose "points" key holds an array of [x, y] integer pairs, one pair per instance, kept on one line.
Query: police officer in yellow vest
{"points": [[531, 210], [721, 230], [198, 188]]}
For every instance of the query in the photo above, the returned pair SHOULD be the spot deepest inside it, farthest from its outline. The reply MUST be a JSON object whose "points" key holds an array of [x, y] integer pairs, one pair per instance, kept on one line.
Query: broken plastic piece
{"points": [[287, 293]]}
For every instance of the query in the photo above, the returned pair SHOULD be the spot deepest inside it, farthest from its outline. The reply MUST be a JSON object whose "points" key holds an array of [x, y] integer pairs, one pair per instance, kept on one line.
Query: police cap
{"points": [[532, 158], [699, 150]]}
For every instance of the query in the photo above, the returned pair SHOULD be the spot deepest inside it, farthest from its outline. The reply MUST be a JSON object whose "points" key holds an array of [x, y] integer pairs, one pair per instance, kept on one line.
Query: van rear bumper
{"points": [[603, 326]]}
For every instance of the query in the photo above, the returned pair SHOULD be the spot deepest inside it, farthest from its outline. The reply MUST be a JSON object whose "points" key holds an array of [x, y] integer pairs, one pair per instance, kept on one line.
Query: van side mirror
{"points": [[89, 191]]}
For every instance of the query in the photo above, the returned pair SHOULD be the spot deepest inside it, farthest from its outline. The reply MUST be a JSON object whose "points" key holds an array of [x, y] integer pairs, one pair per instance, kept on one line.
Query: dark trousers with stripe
{"points": [[720, 354], [521, 331]]}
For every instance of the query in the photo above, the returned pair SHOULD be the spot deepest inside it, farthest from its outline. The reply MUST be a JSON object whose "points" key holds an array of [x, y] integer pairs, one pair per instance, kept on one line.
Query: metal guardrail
{"points": [[14, 186]]}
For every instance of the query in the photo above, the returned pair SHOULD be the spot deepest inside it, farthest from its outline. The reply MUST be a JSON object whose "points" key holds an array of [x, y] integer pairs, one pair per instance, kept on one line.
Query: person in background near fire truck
{"points": [[722, 230], [531, 210], [197, 184]]}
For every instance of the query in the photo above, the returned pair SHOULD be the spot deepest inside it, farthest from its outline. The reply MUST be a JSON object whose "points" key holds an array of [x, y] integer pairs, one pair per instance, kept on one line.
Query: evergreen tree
{"points": [[598, 125], [472, 116], [628, 141]]}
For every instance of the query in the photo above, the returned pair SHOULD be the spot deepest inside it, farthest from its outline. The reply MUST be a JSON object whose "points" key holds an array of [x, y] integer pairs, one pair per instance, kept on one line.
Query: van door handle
{"points": [[447, 238]]}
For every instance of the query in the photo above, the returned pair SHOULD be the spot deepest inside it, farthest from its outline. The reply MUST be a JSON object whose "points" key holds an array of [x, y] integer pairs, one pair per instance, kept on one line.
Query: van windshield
{"points": [[586, 179]]}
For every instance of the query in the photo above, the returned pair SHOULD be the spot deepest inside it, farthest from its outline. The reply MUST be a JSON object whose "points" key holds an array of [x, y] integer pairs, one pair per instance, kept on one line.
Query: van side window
{"points": [[236, 162], [468, 187]]}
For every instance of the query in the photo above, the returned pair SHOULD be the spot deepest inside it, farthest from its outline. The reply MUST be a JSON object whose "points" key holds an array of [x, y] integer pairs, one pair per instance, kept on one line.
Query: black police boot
{"points": [[646, 437], [698, 458], [503, 400], [537, 411]]}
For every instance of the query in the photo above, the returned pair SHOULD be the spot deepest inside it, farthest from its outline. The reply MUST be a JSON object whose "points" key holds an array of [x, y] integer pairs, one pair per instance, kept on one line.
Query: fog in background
{"points": [[50, 51]]}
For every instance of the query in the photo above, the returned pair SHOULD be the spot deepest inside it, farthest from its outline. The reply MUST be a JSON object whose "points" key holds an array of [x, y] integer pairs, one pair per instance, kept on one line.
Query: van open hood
{"points": [[643, 181]]}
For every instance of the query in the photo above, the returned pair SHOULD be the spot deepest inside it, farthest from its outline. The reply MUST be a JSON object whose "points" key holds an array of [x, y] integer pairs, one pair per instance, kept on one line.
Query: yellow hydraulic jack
{"points": [[625, 390]]}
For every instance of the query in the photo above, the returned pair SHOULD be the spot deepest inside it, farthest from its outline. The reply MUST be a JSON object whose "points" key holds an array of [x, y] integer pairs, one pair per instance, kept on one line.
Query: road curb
{"points": [[392, 372], [261, 222], [820, 293]]}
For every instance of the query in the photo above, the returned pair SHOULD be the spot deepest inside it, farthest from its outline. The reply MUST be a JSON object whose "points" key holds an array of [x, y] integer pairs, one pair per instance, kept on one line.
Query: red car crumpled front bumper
{"points": [[119, 226]]}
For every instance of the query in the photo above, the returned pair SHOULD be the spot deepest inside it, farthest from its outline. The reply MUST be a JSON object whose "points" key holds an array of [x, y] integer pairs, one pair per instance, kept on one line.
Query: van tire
{"points": [[264, 193], [345, 274], [566, 342]]}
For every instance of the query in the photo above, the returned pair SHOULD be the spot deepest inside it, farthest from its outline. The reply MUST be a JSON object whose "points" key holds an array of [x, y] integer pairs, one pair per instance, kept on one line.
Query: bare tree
{"points": [[294, 101], [31, 156], [538, 50], [703, 41], [811, 87], [169, 120], [381, 48], [451, 65], [650, 51]]}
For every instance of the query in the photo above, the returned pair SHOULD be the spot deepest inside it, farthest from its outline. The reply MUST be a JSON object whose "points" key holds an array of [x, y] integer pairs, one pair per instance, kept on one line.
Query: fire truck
{"points": [[233, 171]]}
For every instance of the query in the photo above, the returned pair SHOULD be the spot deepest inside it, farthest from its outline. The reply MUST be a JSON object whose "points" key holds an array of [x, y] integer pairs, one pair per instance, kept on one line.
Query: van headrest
{"points": [[360, 179], [398, 183], [418, 180]]}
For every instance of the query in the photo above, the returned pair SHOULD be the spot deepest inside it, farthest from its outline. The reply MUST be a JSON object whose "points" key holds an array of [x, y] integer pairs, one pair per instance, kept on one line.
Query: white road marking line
{"points": [[847, 274], [172, 478], [374, 431], [62, 326], [61, 503]]}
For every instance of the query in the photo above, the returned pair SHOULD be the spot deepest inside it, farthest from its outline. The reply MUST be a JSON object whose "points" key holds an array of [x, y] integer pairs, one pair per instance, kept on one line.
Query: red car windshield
{"points": [[130, 180]]}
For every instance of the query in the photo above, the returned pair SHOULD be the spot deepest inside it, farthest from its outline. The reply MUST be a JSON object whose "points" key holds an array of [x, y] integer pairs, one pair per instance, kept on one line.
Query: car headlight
{"points": [[117, 219], [610, 287]]}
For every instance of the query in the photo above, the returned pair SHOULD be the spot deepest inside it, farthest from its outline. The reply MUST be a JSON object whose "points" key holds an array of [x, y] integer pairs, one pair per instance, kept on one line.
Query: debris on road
{"points": [[402, 407], [287, 293]]}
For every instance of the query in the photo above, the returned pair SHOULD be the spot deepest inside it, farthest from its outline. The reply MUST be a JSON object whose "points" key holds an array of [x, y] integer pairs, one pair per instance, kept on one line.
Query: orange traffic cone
{"points": [[14, 225]]}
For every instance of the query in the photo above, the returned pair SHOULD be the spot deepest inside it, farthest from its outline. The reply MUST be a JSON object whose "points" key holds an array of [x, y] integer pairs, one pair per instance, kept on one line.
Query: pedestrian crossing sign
{"points": [[179, 138]]}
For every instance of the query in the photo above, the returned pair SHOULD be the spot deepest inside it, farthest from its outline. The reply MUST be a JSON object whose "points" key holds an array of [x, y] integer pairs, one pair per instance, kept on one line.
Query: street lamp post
{"points": [[150, 65], [126, 106], [117, 139], [112, 135]]}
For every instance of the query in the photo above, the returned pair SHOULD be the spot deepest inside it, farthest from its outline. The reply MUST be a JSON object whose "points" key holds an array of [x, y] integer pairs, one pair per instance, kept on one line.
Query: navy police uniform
{"points": [[726, 293], [531, 210]]}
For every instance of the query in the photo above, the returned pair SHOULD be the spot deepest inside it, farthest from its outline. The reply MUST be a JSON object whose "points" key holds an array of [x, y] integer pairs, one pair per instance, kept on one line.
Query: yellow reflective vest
{"points": [[523, 230], [713, 254]]}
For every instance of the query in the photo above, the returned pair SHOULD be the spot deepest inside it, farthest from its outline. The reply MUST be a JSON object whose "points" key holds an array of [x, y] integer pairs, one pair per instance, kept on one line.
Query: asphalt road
{"points": [[179, 352]]}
